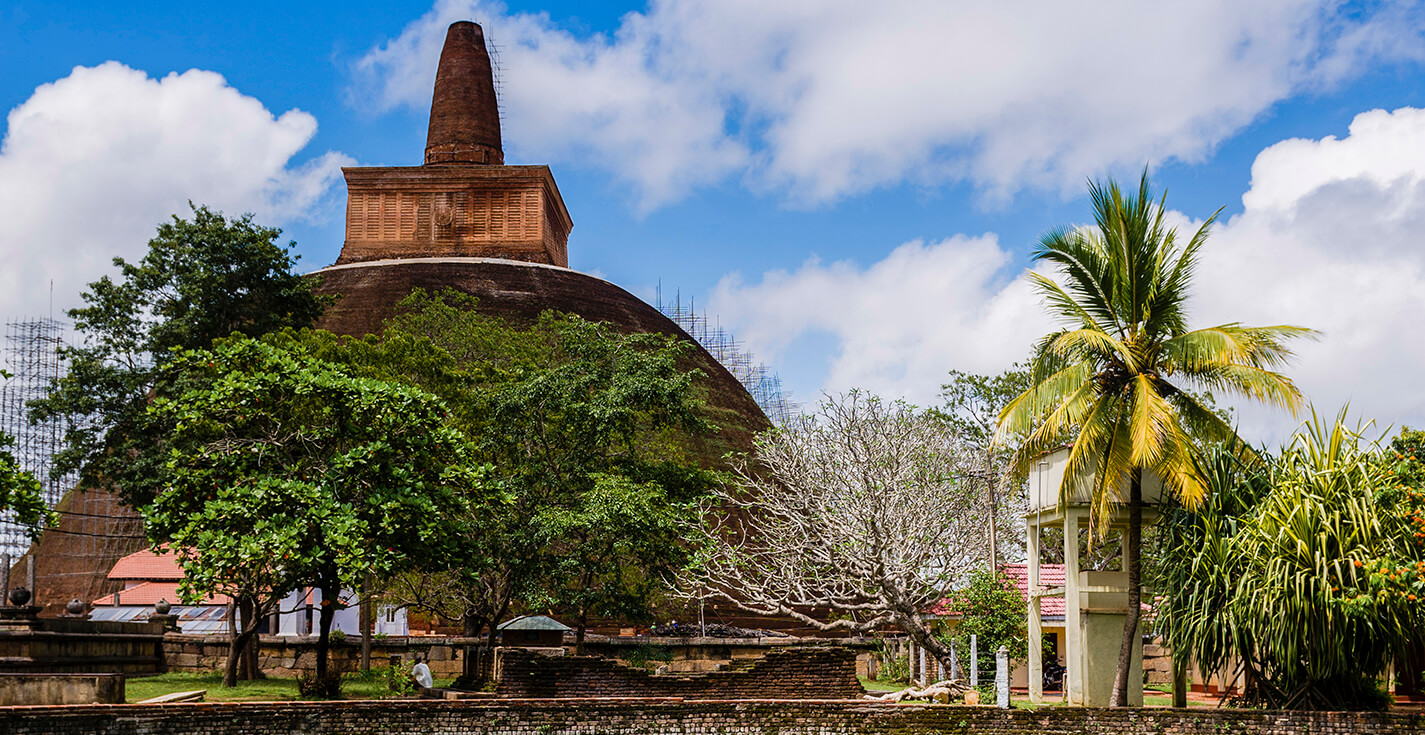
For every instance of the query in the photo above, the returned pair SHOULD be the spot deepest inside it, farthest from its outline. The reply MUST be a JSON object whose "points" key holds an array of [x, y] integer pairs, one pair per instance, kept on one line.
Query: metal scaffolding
{"points": [[763, 384], [94, 528], [32, 357]]}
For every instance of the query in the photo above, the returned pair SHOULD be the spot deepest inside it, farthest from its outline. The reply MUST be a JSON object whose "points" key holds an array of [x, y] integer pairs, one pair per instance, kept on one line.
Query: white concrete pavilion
{"points": [[1095, 603]]}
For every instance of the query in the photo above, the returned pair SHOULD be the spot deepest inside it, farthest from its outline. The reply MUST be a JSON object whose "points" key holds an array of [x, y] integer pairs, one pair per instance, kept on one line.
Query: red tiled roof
{"points": [[147, 565], [148, 593], [1050, 575]]}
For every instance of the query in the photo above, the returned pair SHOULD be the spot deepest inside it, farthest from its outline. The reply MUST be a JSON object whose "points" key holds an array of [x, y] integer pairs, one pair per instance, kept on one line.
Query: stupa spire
{"points": [[464, 116]]}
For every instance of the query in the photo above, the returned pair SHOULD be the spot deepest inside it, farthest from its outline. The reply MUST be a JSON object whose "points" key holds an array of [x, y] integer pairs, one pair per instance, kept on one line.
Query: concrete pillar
{"points": [[954, 660], [1073, 621], [910, 660], [1002, 677], [924, 672], [1036, 623], [974, 660]]}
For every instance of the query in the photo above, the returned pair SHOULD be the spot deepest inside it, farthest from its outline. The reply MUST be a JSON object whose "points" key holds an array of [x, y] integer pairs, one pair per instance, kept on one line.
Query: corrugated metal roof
{"points": [[533, 622], [148, 593]]}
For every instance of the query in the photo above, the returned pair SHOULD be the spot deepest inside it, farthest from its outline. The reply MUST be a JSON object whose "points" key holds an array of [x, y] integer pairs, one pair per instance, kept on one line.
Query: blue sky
{"points": [[852, 188]]}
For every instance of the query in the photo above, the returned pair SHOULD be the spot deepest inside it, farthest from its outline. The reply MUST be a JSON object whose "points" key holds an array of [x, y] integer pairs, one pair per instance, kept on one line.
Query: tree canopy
{"points": [[201, 279], [857, 516], [283, 471]]}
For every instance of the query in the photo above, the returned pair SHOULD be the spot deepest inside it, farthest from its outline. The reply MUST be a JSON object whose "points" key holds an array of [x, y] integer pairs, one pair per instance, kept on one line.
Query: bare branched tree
{"points": [[864, 514]]}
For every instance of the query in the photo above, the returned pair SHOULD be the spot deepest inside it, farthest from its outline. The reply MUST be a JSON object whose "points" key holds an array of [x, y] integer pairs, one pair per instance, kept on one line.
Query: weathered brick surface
{"points": [[648, 716], [810, 672]]}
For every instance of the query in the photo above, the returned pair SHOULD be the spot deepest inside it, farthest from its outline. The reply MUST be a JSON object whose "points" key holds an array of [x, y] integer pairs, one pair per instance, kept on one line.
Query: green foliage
{"points": [[586, 430], [282, 471], [647, 653], [1287, 571], [895, 666], [201, 279], [273, 455], [995, 613]]}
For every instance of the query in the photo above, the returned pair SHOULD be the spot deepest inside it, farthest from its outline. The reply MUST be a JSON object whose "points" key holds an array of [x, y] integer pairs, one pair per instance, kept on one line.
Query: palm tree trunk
{"points": [[1132, 561]]}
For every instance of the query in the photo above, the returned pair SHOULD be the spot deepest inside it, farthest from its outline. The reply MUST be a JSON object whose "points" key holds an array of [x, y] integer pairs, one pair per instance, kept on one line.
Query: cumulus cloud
{"points": [[821, 100], [92, 162], [899, 324], [1329, 238]]}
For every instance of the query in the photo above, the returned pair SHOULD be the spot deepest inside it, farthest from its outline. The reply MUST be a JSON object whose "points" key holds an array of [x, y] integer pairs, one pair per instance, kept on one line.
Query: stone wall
{"points": [[75, 645], [809, 672], [645, 717], [288, 657], [695, 655], [23, 689]]}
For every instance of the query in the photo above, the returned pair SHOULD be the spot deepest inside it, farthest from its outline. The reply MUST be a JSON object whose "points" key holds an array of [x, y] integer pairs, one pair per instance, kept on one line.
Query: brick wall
{"points": [[808, 672], [644, 717]]}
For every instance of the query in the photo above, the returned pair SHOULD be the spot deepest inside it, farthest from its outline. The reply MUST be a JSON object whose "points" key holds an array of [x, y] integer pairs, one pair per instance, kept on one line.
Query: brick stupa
{"points": [[463, 220], [467, 221], [464, 202]]}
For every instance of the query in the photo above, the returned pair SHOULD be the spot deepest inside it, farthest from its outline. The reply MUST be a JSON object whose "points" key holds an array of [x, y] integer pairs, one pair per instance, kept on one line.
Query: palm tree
{"points": [[1118, 376]]}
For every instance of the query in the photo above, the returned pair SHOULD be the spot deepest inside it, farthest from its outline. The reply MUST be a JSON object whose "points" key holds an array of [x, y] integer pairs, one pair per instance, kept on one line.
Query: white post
{"points": [[910, 661], [954, 660], [1002, 677], [939, 670], [1073, 622], [974, 660], [1036, 623], [924, 672]]}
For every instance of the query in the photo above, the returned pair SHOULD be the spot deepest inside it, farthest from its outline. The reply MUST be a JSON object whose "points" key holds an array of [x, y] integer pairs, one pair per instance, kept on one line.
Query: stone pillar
{"points": [[924, 672], [910, 661], [1036, 623], [1002, 677], [954, 660], [1073, 621], [974, 660]]}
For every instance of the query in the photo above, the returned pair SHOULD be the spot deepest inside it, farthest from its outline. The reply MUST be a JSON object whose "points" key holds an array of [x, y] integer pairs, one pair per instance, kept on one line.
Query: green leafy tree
{"points": [[282, 471], [588, 431], [202, 278], [1118, 376], [993, 611], [1298, 572]]}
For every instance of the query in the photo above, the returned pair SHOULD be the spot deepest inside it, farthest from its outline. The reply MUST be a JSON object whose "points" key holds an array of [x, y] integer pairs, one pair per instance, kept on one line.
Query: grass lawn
{"points": [[265, 690], [876, 685]]}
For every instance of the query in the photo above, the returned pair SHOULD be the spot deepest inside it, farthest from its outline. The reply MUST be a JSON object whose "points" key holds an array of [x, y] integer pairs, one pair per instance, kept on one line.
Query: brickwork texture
{"points": [[645, 717], [808, 672]]}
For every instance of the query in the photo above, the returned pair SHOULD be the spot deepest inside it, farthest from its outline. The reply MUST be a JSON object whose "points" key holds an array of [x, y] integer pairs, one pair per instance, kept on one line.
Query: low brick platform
{"points": [[806, 672], [649, 716]]}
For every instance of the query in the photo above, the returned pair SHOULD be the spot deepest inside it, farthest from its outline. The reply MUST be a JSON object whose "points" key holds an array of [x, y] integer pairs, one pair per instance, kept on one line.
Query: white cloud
{"points": [[91, 163], [899, 324], [1329, 239], [821, 100]]}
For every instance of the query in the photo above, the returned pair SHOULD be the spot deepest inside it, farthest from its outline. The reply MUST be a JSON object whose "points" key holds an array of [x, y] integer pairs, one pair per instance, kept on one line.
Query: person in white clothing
{"points": [[421, 674]]}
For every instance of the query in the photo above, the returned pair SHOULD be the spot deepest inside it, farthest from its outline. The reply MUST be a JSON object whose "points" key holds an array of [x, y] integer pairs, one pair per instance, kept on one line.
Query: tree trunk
{"points": [[923, 638], [1132, 561], [470, 673], [235, 641], [330, 591], [579, 632], [248, 622], [366, 625]]}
